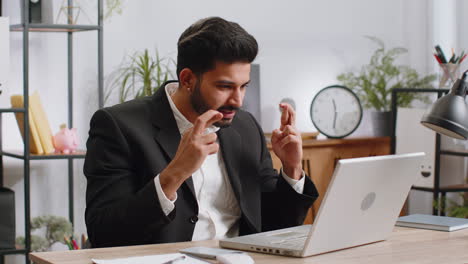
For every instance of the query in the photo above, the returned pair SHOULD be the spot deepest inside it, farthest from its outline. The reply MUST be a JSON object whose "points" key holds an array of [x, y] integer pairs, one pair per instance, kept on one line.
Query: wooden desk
{"points": [[320, 158], [405, 245]]}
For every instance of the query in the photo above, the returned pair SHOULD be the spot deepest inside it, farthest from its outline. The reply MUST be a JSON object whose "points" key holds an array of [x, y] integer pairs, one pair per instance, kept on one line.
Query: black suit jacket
{"points": [[130, 143]]}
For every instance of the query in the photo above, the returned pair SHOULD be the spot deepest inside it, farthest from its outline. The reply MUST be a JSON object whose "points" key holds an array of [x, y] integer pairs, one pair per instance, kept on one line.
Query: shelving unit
{"points": [[439, 192], [26, 28]]}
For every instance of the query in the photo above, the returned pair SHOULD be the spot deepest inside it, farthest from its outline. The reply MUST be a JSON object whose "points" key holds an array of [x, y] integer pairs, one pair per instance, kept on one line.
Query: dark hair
{"points": [[214, 39]]}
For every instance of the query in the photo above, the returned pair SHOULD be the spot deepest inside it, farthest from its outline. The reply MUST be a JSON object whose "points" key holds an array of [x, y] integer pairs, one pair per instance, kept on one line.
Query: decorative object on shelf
{"points": [[289, 101], [139, 75], [56, 229], [449, 68], [76, 10], [66, 140], [376, 80], [336, 111], [7, 220]]}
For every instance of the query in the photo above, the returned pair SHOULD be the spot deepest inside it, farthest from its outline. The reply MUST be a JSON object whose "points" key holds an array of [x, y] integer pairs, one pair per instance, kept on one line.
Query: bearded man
{"points": [[187, 163]]}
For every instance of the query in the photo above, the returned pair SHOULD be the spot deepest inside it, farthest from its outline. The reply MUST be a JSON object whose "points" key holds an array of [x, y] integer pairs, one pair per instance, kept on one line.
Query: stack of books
{"points": [[433, 222], [40, 134]]}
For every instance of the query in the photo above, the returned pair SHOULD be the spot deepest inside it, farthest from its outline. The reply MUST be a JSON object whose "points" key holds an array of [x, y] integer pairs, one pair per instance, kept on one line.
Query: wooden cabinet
{"points": [[320, 158]]}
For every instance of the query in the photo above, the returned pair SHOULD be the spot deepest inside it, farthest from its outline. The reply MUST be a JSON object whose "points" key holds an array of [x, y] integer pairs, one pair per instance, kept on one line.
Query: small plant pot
{"points": [[382, 123]]}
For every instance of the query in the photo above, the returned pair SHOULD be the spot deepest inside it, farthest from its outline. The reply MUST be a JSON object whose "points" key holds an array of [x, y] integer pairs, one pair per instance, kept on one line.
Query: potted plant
{"points": [[453, 209], [56, 229], [140, 74], [376, 80]]}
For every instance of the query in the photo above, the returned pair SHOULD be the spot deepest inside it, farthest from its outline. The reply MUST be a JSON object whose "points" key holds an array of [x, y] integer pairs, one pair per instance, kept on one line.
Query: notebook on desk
{"points": [[153, 259], [433, 222], [361, 206]]}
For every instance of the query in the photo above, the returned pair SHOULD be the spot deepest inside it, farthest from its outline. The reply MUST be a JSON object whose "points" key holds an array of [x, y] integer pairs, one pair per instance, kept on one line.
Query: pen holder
{"points": [[448, 74]]}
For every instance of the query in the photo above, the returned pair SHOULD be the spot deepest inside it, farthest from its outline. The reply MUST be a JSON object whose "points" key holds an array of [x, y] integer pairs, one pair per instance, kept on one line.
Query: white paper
{"points": [[151, 259]]}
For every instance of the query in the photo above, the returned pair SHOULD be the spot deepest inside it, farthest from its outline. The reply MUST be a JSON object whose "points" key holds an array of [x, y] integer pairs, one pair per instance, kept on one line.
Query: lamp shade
{"points": [[449, 114]]}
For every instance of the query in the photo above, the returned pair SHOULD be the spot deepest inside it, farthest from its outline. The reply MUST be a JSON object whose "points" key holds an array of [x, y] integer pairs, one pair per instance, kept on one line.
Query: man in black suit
{"points": [[188, 164]]}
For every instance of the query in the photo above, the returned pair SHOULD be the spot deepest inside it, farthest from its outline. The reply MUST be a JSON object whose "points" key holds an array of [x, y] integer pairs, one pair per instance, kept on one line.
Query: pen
{"points": [[464, 56], [440, 54], [174, 260], [75, 245]]}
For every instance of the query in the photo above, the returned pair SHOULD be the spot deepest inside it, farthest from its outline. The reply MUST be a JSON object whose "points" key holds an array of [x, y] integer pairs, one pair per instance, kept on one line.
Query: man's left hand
{"points": [[287, 143]]}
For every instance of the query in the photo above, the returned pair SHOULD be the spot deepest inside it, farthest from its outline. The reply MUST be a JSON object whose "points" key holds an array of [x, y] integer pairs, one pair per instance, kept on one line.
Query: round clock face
{"points": [[336, 111]]}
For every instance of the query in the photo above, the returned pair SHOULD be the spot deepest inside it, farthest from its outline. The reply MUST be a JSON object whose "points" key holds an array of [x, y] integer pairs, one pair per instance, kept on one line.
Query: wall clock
{"points": [[336, 111]]}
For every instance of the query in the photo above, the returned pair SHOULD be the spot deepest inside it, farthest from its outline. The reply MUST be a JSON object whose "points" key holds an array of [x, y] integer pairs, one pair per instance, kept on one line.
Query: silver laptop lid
{"points": [[362, 202]]}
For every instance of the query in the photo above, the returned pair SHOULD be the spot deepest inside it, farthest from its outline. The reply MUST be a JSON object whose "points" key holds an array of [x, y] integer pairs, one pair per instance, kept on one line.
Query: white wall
{"points": [[4, 53], [304, 45]]}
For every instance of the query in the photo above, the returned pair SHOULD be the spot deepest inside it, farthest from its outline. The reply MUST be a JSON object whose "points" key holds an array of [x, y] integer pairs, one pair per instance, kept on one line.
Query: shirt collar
{"points": [[182, 123]]}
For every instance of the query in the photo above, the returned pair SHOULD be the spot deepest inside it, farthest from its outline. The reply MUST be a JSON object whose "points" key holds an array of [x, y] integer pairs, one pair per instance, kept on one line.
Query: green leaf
{"points": [[139, 74], [375, 81]]}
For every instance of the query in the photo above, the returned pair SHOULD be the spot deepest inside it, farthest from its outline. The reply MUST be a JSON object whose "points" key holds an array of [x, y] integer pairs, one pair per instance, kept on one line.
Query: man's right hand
{"points": [[193, 149]]}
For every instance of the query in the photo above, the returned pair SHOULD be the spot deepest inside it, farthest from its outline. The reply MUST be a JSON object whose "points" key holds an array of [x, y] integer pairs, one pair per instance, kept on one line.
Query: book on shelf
{"points": [[40, 133], [42, 123], [433, 222], [35, 147]]}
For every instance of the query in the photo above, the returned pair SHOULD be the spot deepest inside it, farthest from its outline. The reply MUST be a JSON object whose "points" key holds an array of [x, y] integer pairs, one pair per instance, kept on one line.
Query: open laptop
{"points": [[361, 206]]}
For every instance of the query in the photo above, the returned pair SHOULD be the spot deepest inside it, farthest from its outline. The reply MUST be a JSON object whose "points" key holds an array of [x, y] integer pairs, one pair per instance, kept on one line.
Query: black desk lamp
{"points": [[449, 114]]}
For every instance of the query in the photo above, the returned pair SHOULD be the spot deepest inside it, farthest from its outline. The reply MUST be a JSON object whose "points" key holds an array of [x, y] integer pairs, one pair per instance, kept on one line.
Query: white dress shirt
{"points": [[218, 209]]}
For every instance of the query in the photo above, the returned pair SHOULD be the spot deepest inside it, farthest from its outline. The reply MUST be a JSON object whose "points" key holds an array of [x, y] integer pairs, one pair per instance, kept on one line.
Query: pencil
{"points": [[68, 243]]}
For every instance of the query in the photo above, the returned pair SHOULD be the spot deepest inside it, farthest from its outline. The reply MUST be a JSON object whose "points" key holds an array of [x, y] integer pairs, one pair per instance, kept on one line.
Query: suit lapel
{"points": [[231, 148], [167, 133]]}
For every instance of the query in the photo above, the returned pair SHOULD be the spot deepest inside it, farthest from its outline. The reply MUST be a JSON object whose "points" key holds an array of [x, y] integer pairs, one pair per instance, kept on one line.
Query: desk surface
{"points": [[405, 245]]}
